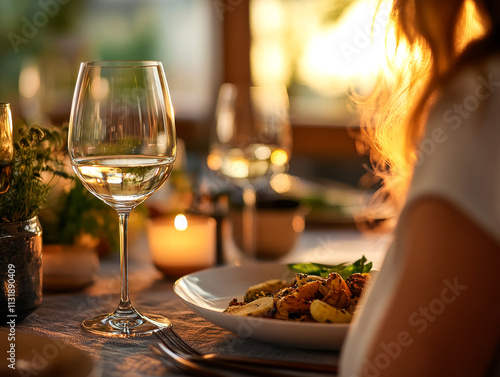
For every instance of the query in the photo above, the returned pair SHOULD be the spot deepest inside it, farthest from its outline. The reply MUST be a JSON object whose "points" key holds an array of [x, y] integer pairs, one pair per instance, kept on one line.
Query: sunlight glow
{"points": [[328, 56]]}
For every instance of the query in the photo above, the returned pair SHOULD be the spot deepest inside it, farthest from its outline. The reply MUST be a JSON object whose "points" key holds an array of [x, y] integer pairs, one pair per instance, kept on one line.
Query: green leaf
{"points": [[345, 270]]}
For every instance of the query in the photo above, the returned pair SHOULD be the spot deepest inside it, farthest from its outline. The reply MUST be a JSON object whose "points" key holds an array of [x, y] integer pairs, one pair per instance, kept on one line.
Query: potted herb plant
{"points": [[37, 163]]}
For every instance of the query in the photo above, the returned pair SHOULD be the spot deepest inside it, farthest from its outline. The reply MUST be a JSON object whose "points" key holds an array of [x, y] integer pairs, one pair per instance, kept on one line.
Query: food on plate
{"points": [[344, 269], [323, 312], [268, 286], [261, 307], [311, 298]]}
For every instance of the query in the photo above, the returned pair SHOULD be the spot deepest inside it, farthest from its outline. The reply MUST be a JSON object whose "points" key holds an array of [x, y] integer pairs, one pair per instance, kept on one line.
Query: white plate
{"points": [[209, 292]]}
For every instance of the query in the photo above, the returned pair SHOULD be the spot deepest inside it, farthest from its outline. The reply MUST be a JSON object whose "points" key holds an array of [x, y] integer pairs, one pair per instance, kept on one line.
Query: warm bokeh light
{"points": [[263, 152], [298, 224], [249, 197], [180, 222], [281, 183], [238, 168], [214, 161], [29, 80], [99, 88], [279, 157]]}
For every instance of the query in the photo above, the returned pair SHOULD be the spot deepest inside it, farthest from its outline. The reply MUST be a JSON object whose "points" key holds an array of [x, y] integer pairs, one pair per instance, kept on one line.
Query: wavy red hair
{"points": [[434, 40]]}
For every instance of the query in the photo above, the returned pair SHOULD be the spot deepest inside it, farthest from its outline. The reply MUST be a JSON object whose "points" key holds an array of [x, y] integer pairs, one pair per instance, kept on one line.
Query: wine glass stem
{"points": [[248, 219], [123, 223]]}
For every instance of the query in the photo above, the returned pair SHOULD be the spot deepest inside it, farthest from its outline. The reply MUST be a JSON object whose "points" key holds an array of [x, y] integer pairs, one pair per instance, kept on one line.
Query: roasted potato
{"points": [[262, 307], [323, 312], [261, 289]]}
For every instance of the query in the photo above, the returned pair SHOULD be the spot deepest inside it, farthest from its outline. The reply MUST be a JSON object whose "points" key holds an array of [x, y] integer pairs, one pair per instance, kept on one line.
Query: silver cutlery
{"points": [[184, 365], [176, 345], [201, 369]]}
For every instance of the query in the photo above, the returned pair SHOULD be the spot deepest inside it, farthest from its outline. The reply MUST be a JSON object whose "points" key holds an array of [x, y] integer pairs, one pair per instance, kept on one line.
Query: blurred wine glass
{"points": [[252, 141], [6, 147], [122, 146]]}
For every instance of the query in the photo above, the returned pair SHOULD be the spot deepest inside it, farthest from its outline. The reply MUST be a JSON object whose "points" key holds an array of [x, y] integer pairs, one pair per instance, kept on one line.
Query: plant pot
{"points": [[69, 267], [20, 269]]}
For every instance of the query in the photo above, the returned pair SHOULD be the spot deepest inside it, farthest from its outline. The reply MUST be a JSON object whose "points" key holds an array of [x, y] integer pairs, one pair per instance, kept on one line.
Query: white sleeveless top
{"points": [[459, 161]]}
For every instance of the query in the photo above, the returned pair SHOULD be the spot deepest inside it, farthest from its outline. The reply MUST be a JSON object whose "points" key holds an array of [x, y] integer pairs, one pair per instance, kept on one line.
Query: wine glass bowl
{"points": [[252, 133], [122, 146], [252, 140], [123, 182]]}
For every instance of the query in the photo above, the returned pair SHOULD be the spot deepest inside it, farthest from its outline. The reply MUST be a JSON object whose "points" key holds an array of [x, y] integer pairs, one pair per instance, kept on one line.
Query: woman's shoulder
{"points": [[479, 79], [469, 102], [459, 157]]}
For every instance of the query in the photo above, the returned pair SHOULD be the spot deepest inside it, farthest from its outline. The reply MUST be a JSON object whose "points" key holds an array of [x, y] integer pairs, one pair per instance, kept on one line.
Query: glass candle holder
{"points": [[182, 244]]}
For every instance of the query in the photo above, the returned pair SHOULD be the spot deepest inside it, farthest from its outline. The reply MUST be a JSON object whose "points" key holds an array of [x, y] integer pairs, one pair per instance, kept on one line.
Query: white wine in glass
{"points": [[122, 146]]}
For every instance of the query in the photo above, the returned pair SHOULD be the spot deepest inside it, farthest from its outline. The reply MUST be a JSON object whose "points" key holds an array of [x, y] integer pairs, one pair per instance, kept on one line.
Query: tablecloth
{"points": [[60, 314]]}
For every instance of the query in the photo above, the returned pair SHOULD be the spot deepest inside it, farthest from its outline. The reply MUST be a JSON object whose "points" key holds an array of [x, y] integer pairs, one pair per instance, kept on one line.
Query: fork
{"points": [[177, 345], [198, 369], [182, 364]]}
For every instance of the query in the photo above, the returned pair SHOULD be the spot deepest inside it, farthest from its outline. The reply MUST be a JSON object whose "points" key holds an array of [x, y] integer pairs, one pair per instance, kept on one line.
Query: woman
{"points": [[434, 310]]}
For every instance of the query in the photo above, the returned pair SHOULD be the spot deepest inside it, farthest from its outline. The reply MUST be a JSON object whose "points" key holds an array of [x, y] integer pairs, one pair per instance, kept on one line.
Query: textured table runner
{"points": [[60, 314]]}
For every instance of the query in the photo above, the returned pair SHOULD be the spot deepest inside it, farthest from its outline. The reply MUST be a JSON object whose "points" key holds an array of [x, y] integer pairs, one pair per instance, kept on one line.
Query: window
{"points": [[48, 39], [318, 49]]}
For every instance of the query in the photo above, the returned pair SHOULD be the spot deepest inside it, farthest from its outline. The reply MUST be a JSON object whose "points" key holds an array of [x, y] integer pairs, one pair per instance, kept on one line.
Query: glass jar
{"points": [[20, 269]]}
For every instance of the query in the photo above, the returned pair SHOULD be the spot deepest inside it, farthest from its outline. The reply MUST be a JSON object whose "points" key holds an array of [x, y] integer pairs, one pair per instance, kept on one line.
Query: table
{"points": [[60, 314]]}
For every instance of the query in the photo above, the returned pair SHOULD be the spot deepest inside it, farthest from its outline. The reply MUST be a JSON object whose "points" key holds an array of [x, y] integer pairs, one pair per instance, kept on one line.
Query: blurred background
{"points": [[319, 49]]}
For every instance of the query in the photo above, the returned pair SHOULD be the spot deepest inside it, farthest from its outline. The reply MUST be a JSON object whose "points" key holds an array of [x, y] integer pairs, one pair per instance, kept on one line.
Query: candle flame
{"points": [[180, 222]]}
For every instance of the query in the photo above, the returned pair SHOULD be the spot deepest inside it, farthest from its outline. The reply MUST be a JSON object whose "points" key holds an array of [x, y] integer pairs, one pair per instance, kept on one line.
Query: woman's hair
{"points": [[433, 40]]}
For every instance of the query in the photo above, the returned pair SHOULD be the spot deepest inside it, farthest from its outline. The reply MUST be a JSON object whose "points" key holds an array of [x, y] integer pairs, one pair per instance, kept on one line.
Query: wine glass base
{"points": [[132, 323]]}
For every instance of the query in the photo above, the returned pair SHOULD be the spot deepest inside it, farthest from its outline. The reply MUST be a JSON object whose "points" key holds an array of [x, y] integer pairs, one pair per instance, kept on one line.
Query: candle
{"points": [[182, 244]]}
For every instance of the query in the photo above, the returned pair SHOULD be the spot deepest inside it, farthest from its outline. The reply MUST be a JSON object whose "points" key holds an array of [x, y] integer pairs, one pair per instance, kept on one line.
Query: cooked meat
{"points": [[357, 282]]}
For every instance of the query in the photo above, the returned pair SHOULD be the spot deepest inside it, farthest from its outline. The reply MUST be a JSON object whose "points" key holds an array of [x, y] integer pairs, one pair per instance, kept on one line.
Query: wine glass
{"points": [[6, 147], [252, 141], [122, 146]]}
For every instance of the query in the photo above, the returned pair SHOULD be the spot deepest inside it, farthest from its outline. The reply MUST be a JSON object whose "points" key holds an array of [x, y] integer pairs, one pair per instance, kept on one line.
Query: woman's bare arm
{"points": [[444, 319]]}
